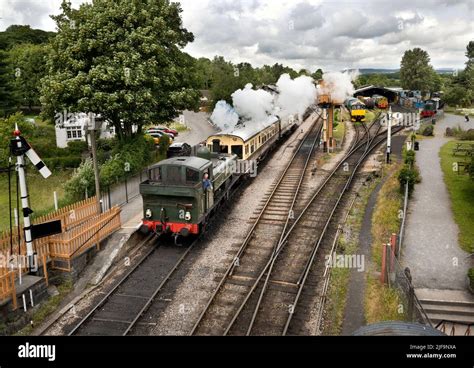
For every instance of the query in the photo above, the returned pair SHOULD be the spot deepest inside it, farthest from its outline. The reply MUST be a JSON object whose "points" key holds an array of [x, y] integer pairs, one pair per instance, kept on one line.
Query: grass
{"points": [[339, 131], [381, 302], [337, 292], [461, 192], [47, 308], [369, 116], [459, 110], [179, 127], [40, 190]]}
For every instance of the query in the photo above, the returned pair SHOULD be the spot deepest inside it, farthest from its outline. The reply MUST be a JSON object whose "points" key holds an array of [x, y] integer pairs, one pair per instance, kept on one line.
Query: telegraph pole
{"points": [[92, 131], [389, 134]]}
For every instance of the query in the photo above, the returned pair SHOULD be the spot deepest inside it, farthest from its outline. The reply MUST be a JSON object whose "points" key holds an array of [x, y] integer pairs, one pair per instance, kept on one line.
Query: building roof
{"points": [[366, 88], [248, 129]]}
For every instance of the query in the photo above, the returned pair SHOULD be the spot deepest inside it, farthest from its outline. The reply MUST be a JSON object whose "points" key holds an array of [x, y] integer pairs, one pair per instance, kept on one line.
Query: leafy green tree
{"points": [[265, 75], [8, 98], [122, 59], [416, 73], [318, 74], [28, 63], [203, 73], [469, 71], [224, 80]]}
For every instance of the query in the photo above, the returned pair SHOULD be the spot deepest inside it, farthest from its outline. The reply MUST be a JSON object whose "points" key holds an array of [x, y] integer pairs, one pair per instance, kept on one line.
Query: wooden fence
{"points": [[70, 244], [82, 227]]}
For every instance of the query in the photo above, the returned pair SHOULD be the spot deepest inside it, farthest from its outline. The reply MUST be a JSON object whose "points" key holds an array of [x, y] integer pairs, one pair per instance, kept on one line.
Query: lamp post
{"points": [[389, 134]]}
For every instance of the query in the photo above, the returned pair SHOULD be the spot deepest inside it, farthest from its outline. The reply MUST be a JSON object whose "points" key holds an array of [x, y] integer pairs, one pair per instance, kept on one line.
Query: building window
{"points": [[74, 132]]}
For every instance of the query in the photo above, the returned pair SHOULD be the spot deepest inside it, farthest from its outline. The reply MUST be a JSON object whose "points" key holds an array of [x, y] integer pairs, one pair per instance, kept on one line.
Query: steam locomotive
{"points": [[182, 193]]}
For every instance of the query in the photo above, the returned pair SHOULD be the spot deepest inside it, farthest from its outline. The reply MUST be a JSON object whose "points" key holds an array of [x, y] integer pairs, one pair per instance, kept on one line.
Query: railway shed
{"points": [[391, 93]]}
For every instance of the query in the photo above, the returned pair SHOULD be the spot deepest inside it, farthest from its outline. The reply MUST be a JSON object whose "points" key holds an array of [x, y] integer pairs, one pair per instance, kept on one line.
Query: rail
{"points": [[314, 130]]}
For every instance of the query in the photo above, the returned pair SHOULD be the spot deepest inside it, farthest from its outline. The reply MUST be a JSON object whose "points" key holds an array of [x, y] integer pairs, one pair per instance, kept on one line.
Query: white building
{"points": [[75, 128]]}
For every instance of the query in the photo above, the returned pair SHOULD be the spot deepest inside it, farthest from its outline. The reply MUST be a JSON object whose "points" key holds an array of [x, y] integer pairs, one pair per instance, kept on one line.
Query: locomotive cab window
{"points": [[192, 176]]}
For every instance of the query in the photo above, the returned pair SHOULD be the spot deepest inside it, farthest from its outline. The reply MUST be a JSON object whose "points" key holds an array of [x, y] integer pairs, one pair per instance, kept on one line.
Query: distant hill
{"points": [[18, 34], [390, 71]]}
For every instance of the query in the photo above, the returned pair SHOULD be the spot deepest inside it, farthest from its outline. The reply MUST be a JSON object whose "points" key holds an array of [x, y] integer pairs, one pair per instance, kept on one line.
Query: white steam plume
{"points": [[224, 116], [295, 96], [255, 106], [339, 84], [252, 104]]}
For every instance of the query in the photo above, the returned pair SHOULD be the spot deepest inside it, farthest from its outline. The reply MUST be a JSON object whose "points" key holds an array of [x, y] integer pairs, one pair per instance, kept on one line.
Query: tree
{"points": [[318, 74], [416, 73], [8, 98], [18, 34], [225, 80], [203, 73], [122, 59], [28, 62]]}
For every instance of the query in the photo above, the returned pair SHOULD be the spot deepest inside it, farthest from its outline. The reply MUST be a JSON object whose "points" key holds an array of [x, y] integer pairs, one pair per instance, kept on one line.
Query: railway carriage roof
{"points": [[248, 129]]}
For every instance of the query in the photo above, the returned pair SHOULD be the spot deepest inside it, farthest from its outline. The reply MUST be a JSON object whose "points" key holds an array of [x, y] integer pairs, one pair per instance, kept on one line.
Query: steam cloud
{"points": [[255, 106], [339, 84], [224, 116]]}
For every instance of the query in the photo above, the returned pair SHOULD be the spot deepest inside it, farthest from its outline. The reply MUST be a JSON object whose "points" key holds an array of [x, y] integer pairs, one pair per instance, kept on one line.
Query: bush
{"points": [[470, 169], [467, 135], [409, 157], [164, 143], [427, 131], [63, 162], [410, 175], [127, 158], [77, 147], [470, 275], [82, 179]]}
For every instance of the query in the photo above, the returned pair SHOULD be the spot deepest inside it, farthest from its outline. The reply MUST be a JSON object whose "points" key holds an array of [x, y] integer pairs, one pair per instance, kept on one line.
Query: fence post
{"points": [[45, 270], [12, 279], [109, 205], [97, 242], [126, 191], [389, 262], [55, 196], [383, 272], [411, 300]]}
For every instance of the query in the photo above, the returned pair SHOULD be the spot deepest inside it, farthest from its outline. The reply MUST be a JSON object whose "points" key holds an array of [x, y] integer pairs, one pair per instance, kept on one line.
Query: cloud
{"points": [[307, 33]]}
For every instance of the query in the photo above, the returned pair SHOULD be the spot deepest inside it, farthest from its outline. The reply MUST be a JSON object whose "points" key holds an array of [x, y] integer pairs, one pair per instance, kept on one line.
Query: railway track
{"points": [[121, 308], [268, 298], [268, 227]]}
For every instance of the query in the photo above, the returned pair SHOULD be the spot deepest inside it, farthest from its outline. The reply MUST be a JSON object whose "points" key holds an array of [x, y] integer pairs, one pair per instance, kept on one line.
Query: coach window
{"points": [[224, 149], [246, 149]]}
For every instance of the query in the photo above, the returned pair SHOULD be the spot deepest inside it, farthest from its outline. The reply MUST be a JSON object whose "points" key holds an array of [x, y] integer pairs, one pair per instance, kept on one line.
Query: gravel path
{"points": [[431, 248], [199, 128]]}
